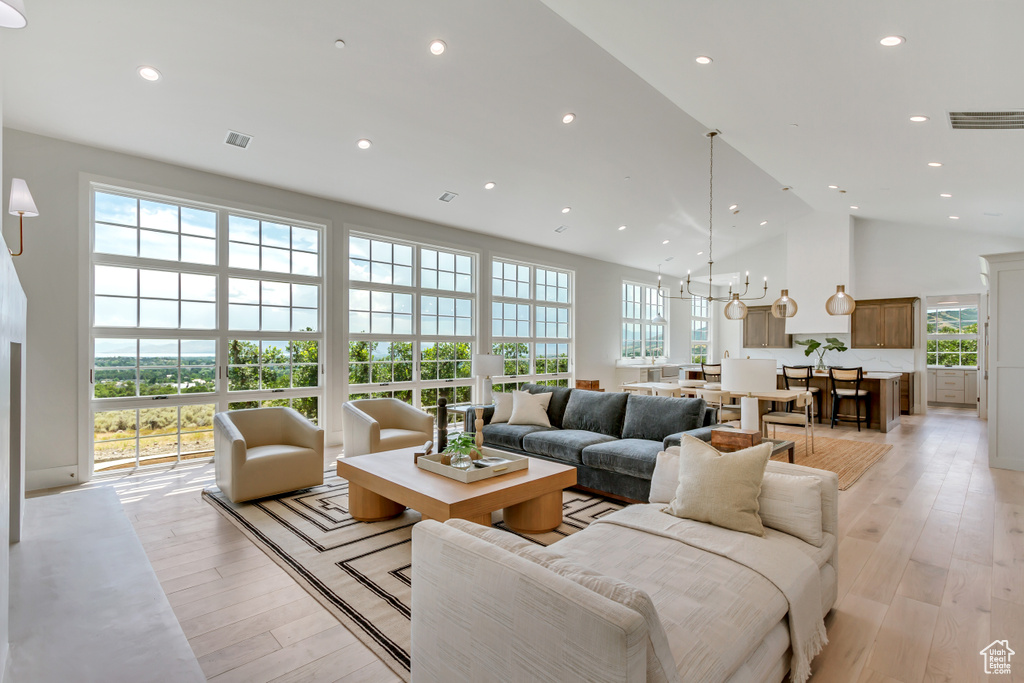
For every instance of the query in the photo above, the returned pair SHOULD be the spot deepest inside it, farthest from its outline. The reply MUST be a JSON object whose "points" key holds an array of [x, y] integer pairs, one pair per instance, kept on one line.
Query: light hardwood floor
{"points": [[931, 570]]}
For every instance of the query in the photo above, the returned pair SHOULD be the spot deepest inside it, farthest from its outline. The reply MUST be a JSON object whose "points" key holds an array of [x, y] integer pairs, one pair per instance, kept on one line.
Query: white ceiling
{"points": [[490, 108]]}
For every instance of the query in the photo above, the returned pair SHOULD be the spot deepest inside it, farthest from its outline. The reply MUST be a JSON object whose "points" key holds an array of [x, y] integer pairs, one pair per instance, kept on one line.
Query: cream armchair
{"points": [[262, 452], [373, 425]]}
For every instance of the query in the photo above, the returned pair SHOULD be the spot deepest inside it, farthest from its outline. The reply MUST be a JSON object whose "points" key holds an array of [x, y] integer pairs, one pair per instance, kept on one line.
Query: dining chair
{"points": [[631, 388], [727, 412], [674, 393], [712, 373], [804, 415], [801, 375], [845, 384]]}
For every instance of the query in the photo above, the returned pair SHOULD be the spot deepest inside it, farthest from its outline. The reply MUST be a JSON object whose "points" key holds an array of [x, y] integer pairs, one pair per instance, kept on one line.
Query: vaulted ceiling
{"points": [[490, 109]]}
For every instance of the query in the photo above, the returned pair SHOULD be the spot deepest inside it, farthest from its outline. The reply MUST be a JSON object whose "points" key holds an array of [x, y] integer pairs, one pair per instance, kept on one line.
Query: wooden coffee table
{"points": [[383, 485]]}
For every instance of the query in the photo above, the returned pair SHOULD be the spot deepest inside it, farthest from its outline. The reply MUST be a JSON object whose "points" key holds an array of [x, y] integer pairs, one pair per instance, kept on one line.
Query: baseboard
{"points": [[51, 477]]}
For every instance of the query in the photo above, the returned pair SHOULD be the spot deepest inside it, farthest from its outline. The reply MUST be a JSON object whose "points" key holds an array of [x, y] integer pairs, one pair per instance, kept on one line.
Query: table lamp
{"points": [[486, 365], [748, 376]]}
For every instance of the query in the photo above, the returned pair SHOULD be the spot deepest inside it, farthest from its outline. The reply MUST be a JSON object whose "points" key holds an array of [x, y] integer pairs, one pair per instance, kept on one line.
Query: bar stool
{"points": [[802, 373], [845, 383]]}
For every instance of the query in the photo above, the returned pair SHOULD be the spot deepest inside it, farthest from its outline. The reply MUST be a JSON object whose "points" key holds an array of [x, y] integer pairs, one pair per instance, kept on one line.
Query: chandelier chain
{"points": [[711, 201]]}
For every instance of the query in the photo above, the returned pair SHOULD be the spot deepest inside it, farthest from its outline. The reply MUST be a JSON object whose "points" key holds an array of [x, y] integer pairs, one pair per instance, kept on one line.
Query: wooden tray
{"points": [[432, 463]]}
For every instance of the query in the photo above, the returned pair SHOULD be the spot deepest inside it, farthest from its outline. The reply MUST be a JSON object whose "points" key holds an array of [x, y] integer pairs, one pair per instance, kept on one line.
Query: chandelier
{"points": [[735, 309]]}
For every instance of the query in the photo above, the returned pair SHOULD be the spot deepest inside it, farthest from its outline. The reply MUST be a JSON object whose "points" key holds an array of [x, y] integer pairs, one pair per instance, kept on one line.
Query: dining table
{"points": [[765, 399]]}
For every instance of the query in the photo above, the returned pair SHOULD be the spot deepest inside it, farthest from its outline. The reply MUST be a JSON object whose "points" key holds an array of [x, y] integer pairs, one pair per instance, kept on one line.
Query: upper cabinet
{"points": [[883, 323], [762, 330]]}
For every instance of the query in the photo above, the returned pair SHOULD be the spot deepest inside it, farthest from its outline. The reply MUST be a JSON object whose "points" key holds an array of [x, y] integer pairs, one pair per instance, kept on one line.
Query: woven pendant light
{"points": [[840, 303], [784, 306], [735, 309]]}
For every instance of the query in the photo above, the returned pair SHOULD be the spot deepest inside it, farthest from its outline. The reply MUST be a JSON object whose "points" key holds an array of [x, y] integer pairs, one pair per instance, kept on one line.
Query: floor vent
{"points": [[448, 196], [237, 139], [987, 120]]}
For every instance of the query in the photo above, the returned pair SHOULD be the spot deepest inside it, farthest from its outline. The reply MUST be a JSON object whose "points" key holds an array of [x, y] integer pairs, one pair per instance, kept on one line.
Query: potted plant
{"points": [[461, 448], [813, 345]]}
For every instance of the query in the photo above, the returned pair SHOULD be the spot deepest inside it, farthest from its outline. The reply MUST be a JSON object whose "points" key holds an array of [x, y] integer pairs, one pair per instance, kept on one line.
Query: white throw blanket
{"points": [[789, 569]]}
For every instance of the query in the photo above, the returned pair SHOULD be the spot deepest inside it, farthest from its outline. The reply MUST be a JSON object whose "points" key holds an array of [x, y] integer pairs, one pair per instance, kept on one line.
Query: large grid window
{"points": [[642, 337], [408, 337], [166, 314], [534, 336], [953, 336], [700, 330]]}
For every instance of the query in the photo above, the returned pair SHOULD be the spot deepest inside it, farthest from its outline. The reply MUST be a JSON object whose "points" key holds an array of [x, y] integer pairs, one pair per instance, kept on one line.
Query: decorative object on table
{"points": [[748, 376], [487, 365], [784, 306], [21, 204], [423, 450], [726, 439], [479, 425], [840, 303], [496, 463], [813, 345], [735, 309], [589, 384], [460, 450]]}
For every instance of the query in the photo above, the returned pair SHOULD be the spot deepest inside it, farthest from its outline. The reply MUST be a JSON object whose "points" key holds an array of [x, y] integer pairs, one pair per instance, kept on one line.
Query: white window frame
{"points": [[937, 337], [650, 304], [532, 339], [220, 398], [705, 308], [415, 386]]}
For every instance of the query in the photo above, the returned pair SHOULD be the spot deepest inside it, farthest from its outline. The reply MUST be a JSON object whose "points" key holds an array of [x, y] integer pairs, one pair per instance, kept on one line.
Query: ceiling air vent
{"points": [[987, 120], [561, 228], [236, 139], [448, 196]]}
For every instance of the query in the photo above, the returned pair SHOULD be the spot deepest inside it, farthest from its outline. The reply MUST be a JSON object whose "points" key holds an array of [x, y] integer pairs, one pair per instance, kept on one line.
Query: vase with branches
{"points": [[815, 346]]}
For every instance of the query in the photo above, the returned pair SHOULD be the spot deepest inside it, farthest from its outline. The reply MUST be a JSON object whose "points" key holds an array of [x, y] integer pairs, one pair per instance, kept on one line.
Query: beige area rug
{"points": [[361, 572], [849, 459]]}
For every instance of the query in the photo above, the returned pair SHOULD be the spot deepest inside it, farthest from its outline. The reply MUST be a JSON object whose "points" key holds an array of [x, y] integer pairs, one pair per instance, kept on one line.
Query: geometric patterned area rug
{"points": [[360, 571], [849, 459]]}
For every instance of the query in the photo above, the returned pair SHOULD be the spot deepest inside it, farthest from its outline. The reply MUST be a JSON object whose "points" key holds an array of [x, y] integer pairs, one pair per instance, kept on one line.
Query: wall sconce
{"points": [[12, 14], [21, 205]]}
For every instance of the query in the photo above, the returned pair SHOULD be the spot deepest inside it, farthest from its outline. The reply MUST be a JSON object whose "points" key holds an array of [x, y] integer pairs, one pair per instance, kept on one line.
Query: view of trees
{"points": [[272, 365], [959, 327], [156, 375]]}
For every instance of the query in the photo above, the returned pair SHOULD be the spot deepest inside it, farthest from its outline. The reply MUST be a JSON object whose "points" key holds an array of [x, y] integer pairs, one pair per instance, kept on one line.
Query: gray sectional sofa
{"points": [[612, 439]]}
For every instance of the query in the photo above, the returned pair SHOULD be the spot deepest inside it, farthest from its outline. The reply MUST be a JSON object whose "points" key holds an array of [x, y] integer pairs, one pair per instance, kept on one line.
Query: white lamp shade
{"points": [[21, 199], [12, 14], [747, 375], [487, 365]]}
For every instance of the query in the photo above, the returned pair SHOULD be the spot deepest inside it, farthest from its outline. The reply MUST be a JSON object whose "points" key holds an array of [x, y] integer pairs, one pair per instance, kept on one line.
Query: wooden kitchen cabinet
{"points": [[883, 323], [762, 330]]}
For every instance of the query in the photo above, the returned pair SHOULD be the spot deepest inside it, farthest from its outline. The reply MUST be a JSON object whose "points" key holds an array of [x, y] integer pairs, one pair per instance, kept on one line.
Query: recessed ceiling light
{"points": [[437, 47], [954, 218], [946, 195], [363, 144], [854, 207], [567, 209], [764, 222], [935, 164], [622, 227], [833, 187], [339, 43], [700, 253], [892, 41], [569, 118], [149, 73], [703, 60], [733, 207], [489, 186], [918, 118], [665, 242]]}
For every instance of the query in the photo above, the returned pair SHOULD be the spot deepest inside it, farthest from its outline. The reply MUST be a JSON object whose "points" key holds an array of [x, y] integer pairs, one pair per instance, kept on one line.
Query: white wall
{"points": [[819, 253], [52, 261]]}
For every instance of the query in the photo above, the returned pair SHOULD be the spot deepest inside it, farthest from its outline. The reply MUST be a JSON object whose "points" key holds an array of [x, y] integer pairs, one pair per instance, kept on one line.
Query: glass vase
{"points": [[461, 461], [820, 367]]}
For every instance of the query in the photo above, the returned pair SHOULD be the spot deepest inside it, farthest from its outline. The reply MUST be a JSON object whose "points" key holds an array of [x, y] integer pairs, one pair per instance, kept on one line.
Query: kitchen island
{"points": [[884, 388]]}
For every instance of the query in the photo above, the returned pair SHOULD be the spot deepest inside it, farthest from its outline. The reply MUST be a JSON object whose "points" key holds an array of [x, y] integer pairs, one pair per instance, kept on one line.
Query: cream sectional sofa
{"points": [[618, 601]]}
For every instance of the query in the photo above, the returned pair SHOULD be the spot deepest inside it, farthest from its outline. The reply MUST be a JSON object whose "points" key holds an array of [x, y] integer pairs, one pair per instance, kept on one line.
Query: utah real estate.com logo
{"points": [[997, 657]]}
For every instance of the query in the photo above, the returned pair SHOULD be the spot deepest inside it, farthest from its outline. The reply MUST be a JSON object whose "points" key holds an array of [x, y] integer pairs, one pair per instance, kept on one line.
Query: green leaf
{"points": [[811, 344]]}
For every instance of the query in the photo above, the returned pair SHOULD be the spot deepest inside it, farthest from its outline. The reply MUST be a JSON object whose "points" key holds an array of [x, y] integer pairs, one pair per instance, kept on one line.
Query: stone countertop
{"points": [[867, 375]]}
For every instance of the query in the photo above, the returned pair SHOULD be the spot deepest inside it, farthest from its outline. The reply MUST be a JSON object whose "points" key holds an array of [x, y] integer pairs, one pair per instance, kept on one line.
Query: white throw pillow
{"points": [[665, 477], [530, 409], [502, 407], [792, 504], [720, 488]]}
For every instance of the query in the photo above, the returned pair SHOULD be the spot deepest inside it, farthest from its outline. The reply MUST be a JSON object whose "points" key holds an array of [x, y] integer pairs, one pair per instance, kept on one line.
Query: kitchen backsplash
{"points": [[892, 360]]}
